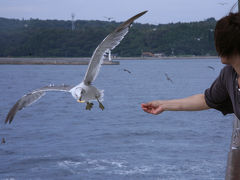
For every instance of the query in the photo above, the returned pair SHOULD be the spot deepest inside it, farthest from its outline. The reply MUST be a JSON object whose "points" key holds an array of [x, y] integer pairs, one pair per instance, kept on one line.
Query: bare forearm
{"points": [[192, 103]]}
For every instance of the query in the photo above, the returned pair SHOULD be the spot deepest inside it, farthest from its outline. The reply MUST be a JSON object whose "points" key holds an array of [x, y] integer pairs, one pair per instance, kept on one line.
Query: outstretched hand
{"points": [[192, 103], [154, 107]]}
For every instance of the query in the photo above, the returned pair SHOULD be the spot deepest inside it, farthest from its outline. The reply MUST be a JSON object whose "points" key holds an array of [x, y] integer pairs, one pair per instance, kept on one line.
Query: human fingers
{"points": [[147, 105], [146, 109], [157, 110], [144, 105]]}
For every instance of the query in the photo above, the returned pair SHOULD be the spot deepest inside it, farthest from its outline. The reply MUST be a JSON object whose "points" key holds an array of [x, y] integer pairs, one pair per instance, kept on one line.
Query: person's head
{"points": [[227, 37]]}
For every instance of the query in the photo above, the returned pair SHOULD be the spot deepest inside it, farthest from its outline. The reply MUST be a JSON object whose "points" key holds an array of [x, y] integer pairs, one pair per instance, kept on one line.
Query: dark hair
{"points": [[227, 35]]}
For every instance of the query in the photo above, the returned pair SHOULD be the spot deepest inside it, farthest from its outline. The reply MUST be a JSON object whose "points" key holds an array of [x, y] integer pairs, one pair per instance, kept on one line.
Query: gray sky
{"points": [[160, 11]]}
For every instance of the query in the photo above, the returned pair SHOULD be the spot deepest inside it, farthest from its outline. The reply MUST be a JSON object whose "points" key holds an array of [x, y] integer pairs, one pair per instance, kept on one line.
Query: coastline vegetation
{"points": [[55, 38]]}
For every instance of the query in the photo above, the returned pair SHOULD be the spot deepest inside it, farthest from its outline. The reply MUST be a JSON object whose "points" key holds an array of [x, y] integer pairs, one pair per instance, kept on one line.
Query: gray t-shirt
{"points": [[224, 94]]}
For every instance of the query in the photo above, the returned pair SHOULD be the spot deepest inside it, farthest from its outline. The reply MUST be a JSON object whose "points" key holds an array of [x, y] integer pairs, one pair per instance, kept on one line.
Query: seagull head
{"points": [[81, 93]]}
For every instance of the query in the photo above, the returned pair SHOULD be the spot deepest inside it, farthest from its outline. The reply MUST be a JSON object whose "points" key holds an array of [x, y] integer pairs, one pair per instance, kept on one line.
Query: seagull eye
{"points": [[83, 91]]}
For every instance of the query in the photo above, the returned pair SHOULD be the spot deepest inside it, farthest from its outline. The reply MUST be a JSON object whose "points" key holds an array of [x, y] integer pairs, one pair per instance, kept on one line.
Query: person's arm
{"points": [[192, 103]]}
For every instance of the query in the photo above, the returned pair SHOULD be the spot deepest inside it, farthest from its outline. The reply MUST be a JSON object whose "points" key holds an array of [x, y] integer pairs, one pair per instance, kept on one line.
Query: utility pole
{"points": [[239, 6], [73, 21]]}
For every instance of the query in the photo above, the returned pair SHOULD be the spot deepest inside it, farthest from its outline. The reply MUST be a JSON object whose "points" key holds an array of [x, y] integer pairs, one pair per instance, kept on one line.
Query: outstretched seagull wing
{"points": [[109, 43], [32, 97]]}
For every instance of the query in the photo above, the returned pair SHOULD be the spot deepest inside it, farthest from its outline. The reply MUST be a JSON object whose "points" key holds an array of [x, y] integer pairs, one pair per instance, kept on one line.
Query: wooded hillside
{"points": [[55, 38]]}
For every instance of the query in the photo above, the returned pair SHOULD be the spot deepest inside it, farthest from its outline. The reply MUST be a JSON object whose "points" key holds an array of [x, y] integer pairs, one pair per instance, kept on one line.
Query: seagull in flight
{"points": [[168, 78], [3, 141], [84, 92], [222, 3], [127, 71], [212, 68], [108, 18]]}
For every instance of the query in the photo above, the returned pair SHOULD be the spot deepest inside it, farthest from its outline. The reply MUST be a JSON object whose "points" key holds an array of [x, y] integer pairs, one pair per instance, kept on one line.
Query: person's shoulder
{"points": [[227, 72], [228, 69]]}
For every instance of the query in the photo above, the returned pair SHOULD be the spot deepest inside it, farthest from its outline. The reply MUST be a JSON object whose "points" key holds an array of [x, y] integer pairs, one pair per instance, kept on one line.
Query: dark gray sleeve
{"points": [[217, 96]]}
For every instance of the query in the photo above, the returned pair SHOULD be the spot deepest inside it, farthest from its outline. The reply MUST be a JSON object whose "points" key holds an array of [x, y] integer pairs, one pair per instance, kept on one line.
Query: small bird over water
{"points": [[3, 141], [127, 71], [84, 92], [168, 78], [210, 67]]}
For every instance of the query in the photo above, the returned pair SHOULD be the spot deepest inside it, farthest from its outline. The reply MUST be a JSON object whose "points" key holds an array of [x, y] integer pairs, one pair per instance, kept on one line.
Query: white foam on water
{"points": [[205, 168], [67, 165], [115, 163], [123, 168], [134, 170], [105, 166], [90, 164], [98, 168]]}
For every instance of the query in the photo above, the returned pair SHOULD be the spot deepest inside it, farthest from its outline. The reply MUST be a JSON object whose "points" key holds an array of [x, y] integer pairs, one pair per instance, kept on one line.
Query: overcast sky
{"points": [[160, 11]]}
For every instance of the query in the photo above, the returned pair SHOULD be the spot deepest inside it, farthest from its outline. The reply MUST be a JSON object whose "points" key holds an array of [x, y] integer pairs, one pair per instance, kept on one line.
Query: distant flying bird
{"points": [[168, 78], [108, 18], [223, 3], [127, 71], [3, 141], [210, 67], [83, 92]]}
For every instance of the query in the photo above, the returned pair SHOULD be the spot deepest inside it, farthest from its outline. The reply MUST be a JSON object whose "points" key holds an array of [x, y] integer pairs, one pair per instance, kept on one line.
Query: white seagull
{"points": [[83, 92]]}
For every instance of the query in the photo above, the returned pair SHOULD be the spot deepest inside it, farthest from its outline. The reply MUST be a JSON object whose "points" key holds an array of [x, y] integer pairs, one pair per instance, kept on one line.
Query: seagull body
{"points": [[210, 67], [108, 18], [84, 92], [3, 141], [223, 3], [127, 71], [168, 78]]}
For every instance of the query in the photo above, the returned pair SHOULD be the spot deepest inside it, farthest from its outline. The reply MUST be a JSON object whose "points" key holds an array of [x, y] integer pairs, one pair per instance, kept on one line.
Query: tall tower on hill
{"points": [[73, 21]]}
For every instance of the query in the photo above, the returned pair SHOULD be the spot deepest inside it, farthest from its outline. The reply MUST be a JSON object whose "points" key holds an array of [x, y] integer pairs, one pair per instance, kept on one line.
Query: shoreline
{"points": [[166, 58], [50, 61], [85, 60]]}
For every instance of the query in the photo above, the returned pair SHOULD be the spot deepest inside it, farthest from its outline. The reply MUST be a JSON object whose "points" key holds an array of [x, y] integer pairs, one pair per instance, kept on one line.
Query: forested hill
{"points": [[55, 38]]}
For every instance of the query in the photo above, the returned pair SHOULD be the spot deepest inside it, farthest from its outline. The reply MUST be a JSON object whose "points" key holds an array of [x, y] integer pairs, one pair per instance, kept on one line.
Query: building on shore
{"points": [[150, 54]]}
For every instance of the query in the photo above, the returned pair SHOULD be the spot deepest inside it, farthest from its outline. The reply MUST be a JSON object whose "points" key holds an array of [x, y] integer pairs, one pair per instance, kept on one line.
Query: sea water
{"points": [[56, 138]]}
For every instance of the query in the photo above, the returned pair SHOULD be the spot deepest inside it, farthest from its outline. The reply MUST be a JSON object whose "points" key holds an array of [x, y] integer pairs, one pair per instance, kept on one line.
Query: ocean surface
{"points": [[56, 138]]}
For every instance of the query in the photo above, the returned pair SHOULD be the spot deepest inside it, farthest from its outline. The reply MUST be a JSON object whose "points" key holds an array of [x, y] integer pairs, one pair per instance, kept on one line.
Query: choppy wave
{"points": [[46, 140], [103, 165]]}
